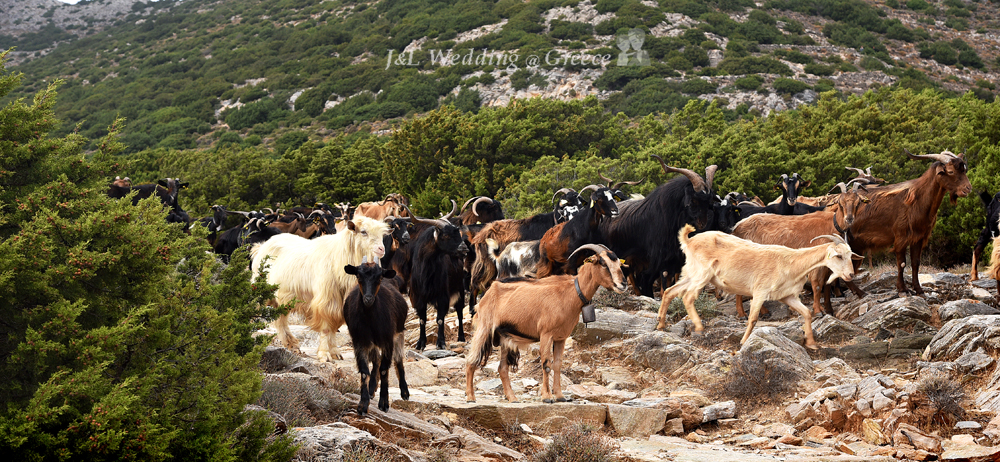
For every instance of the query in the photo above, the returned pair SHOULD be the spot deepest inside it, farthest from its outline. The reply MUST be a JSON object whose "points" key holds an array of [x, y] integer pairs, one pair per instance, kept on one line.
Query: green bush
{"points": [[609, 6], [789, 86], [917, 5], [251, 114], [696, 55], [698, 87], [794, 56], [754, 65], [819, 69], [749, 83], [565, 30]]}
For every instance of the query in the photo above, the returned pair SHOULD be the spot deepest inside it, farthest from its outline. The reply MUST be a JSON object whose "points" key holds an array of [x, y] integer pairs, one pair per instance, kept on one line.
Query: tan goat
{"points": [[741, 267], [518, 313], [994, 270]]}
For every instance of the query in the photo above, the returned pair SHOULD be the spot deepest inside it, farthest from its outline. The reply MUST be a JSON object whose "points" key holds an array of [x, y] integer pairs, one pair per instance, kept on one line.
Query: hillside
{"points": [[185, 74]]}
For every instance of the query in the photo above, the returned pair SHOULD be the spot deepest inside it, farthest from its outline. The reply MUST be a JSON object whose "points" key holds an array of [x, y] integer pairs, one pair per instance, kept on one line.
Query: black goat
{"points": [[398, 238], [483, 210], [989, 232], [252, 232], [214, 223], [375, 315], [645, 232], [437, 275], [790, 187]]}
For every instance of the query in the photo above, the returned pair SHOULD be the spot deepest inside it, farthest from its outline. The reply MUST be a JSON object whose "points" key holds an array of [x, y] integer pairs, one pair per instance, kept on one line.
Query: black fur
{"points": [[375, 313], [989, 231], [253, 232], [437, 274]]}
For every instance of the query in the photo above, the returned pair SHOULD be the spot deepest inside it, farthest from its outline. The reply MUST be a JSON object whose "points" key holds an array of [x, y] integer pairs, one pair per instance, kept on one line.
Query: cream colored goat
{"points": [[516, 314], [311, 271], [741, 267]]}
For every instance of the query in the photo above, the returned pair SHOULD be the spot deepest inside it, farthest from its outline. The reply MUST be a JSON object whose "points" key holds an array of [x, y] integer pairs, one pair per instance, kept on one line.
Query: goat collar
{"points": [[579, 293]]}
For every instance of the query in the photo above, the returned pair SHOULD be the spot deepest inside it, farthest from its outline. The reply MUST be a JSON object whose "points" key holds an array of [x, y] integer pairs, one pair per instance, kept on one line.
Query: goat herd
{"points": [[536, 275]]}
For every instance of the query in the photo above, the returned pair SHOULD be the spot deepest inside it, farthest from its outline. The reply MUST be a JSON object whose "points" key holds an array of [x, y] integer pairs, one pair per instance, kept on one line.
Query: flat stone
{"points": [[908, 434], [790, 440], [450, 365], [835, 371], [697, 397], [419, 373], [636, 422], [599, 394], [723, 410], [911, 314], [971, 454], [612, 324], [973, 362], [776, 348], [964, 335], [817, 433], [438, 354], [957, 309], [881, 402], [774, 430], [963, 439], [829, 329], [968, 425], [872, 433]]}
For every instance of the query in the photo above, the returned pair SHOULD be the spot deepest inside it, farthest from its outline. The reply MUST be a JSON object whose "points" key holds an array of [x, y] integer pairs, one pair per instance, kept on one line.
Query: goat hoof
{"points": [[564, 400], [812, 346], [548, 401], [384, 407]]}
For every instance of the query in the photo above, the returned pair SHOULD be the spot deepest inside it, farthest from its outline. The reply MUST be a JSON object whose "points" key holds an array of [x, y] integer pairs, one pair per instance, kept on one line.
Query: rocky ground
{"points": [[908, 378]]}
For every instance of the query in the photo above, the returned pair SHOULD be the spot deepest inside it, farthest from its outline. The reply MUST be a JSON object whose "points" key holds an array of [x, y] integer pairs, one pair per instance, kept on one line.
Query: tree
{"points": [[118, 341]]}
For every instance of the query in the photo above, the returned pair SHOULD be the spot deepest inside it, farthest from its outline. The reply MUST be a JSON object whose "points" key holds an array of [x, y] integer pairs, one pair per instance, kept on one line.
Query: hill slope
{"points": [[180, 71]]}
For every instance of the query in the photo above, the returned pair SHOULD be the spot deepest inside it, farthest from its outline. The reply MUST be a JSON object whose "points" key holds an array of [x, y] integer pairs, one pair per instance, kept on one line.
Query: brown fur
{"points": [[902, 215], [546, 311], [392, 205], [553, 248]]}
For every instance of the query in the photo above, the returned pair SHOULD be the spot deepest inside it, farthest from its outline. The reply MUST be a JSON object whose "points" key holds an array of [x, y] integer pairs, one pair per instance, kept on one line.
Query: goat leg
{"points": [[285, 336], [442, 311], [397, 357], [545, 357], [974, 275], [794, 303], [504, 371], [383, 372], [557, 352], [361, 358], [915, 250], [901, 265], [459, 308], [375, 359], [758, 301], [421, 308]]}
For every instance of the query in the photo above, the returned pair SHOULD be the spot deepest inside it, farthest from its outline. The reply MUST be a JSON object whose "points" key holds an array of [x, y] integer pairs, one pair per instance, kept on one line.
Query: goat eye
{"points": [[364, 233]]}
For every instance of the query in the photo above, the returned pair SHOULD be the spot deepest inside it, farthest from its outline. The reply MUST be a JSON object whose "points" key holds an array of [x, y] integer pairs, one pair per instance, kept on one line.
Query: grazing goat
{"points": [[990, 231], [521, 312], [799, 231], [494, 238], [311, 271], [483, 210], [741, 267], [560, 241], [645, 232], [902, 215], [375, 315], [438, 276], [393, 205], [518, 259]]}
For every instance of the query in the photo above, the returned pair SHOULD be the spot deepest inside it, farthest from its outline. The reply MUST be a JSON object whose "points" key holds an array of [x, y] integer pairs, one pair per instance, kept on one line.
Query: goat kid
{"points": [[375, 315], [741, 267], [518, 313]]}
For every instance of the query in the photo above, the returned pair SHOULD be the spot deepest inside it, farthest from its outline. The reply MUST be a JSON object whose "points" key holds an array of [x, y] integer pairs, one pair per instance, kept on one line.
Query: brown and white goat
{"points": [[391, 205], [994, 270], [518, 313], [799, 231], [741, 267]]}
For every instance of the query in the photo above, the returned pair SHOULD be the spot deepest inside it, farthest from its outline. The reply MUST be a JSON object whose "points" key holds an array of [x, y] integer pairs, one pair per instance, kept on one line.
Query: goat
{"points": [[518, 259], [254, 231], [994, 269], [495, 236], [437, 276], [120, 187], [741, 267], [560, 241], [311, 272], [214, 223], [483, 210], [645, 232], [521, 312], [391, 205], [990, 230], [402, 258], [798, 231], [787, 204], [375, 315], [903, 215], [398, 237]]}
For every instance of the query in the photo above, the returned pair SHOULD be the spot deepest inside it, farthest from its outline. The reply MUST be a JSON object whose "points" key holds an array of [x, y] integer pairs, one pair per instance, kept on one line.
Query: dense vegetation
{"points": [[174, 75], [121, 338]]}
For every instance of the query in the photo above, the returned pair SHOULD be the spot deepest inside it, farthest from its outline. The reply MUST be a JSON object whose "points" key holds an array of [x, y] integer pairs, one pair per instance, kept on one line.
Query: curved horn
{"points": [[861, 173], [479, 201], [389, 219], [943, 158], [561, 191], [466, 204], [596, 248], [619, 184], [835, 239], [749, 203], [696, 181], [609, 180], [386, 199], [454, 208], [841, 185], [710, 174], [418, 220], [591, 187]]}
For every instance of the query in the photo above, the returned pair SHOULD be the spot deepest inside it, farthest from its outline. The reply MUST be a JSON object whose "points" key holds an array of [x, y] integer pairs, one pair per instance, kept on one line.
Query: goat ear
{"points": [[806, 184], [389, 274], [351, 269], [182, 184], [162, 183], [351, 226], [856, 257]]}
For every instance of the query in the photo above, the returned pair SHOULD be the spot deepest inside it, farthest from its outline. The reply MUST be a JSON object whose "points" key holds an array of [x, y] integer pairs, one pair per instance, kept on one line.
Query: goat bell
{"points": [[589, 315]]}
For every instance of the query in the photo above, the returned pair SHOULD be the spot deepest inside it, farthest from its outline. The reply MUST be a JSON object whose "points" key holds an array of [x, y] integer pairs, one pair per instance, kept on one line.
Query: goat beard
{"points": [[953, 198]]}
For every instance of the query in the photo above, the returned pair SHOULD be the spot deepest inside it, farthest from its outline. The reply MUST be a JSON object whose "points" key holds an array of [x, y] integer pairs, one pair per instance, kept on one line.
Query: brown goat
{"points": [[994, 270], [519, 313], [391, 205], [903, 215], [767, 272], [798, 231]]}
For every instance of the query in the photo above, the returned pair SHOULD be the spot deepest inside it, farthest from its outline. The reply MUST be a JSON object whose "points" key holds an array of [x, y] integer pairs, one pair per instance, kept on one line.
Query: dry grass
{"points": [[579, 444], [754, 382]]}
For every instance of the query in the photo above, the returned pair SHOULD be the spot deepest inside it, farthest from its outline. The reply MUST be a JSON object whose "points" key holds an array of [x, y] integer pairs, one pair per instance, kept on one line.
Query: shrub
{"points": [[578, 444], [749, 83], [917, 5], [819, 69], [794, 56], [869, 63], [824, 85], [696, 55], [609, 6], [754, 65], [945, 396], [789, 86], [753, 380], [565, 30], [698, 87], [960, 24]]}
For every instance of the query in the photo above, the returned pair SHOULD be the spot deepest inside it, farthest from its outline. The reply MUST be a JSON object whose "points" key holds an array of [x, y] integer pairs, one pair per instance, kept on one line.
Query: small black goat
{"points": [[437, 275], [375, 315]]}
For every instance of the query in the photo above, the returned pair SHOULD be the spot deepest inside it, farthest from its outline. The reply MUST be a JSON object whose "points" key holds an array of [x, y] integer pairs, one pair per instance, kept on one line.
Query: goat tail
{"points": [[482, 347], [683, 235], [994, 270], [484, 269]]}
